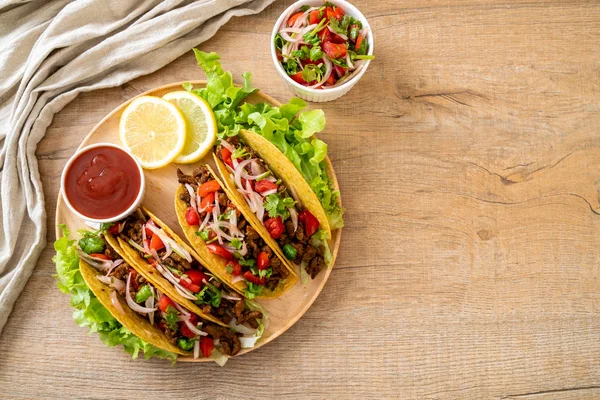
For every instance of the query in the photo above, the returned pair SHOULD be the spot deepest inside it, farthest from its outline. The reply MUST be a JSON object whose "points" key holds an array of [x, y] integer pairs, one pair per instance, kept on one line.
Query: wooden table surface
{"points": [[468, 158]]}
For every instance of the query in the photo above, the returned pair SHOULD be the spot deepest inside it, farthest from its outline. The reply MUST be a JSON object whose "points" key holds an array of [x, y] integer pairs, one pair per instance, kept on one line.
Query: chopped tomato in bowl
{"points": [[321, 48]]}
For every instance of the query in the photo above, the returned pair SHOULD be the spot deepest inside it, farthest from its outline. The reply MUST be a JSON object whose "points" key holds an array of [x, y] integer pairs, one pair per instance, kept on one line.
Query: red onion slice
{"points": [[204, 222], [237, 279], [99, 264], [328, 70], [112, 282], [115, 301], [194, 329], [168, 250], [115, 264], [184, 292], [228, 146], [294, 217], [182, 310], [197, 349], [150, 304], [164, 237], [145, 240], [255, 168], [228, 297], [136, 246], [268, 192], [132, 304], [190, 190], [302, 19], [285, 34]]}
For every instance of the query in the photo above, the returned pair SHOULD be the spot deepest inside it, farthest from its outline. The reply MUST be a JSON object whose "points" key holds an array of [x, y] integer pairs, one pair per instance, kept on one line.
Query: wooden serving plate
{"points": [[161, 185]]}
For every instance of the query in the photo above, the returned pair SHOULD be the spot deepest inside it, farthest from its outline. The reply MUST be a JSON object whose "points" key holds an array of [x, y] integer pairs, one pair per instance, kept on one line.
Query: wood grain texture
{"points": [[468, 159]]}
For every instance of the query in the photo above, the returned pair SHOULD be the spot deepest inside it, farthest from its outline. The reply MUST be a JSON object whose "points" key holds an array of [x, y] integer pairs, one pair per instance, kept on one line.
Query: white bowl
{"points": [[320, 95], [137, 203]]}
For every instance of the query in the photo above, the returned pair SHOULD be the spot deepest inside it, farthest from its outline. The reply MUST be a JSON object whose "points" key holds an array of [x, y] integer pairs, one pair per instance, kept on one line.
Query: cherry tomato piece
{"points": [[263, 261], [274, 226], [294, 18], [208, 187], [156, 243], [236, 268], [226, 156], [190, 286], [254, 279], [220, 251], [197, 277], [311, 223], [164, 302], [335, 50], [191, 216], [206, 346], [264, 186], [100, 256], [207, 203]]}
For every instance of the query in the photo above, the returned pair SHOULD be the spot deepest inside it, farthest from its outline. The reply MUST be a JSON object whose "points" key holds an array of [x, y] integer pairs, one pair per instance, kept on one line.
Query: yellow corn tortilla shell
{"points": [[141, 265], [287, 172], [240, 201], [218, 265], [135, 323]]}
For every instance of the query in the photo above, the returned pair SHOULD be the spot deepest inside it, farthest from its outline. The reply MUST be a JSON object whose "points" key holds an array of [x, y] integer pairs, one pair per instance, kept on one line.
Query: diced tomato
{"points": [[191, 216], [338, 13], [208, 187], [335, 50], [340, 71], [337, 39], [190, 286], [114, 229], [236, 268], [294, 18], [264, 186], [263, 261], [226, 156], [298, 78], [330, 80], [100, 256], [325, 35], [164, 303], [280, 58], [359, 41], [196, 276], [208, 202], [156, 243], [220, 251], [313, 17], [274, 226], [311, 223], [185, 331], [329, 13], [206, 346], [149, 233], [254, 279]]}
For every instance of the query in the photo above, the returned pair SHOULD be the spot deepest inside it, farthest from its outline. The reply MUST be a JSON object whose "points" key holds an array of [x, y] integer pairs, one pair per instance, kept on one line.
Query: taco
{"points": [[281, 204], [148, 312], [219, 231], [160, 256]]}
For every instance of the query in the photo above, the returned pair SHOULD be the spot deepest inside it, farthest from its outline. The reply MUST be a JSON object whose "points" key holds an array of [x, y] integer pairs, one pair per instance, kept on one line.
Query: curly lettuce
{"points": [[288, 127], [89, 312]]}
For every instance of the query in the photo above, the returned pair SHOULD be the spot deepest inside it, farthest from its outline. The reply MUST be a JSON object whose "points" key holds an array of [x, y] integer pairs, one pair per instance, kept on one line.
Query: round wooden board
{"points": [[160, 191]]}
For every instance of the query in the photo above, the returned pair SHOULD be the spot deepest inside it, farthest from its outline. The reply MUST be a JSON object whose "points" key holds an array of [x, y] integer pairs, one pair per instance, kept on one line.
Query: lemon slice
{"points": [[202, 126], [153, 130]]}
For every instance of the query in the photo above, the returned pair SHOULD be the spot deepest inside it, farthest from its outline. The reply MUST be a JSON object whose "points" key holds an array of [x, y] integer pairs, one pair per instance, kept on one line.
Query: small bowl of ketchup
{"points": [[102, 183]]}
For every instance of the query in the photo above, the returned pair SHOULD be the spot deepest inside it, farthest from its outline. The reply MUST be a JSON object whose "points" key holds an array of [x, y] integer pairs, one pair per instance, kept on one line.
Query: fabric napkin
{"points": [[50, 52]]}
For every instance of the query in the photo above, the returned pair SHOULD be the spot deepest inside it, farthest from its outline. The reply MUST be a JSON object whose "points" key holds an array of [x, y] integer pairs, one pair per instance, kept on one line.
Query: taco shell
{"points": [[142, 266], [139, 326], [217, 264], [287, 172]]}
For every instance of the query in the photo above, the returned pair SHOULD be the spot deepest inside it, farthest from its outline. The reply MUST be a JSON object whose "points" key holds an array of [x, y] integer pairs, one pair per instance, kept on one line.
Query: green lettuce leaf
{"points": [[89, 312], [288, 127]]}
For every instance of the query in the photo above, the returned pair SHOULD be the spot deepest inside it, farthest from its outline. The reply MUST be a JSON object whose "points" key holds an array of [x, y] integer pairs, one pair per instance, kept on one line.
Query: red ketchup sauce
{"points": [[102, 182]]}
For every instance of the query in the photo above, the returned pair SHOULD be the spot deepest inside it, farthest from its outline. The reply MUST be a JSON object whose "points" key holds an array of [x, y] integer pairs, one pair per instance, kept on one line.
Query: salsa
{"points": [[322, 47], [102, 182]]}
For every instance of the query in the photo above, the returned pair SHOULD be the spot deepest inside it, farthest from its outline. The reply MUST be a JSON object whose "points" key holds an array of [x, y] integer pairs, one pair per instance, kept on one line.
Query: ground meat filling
{"points": [[229, 340], [254, 242], [305, 252], [226, 310]]}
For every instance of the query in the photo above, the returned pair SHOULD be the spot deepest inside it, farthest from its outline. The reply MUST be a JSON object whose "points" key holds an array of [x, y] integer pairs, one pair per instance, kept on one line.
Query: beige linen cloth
{"points": [[50, 51]]}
